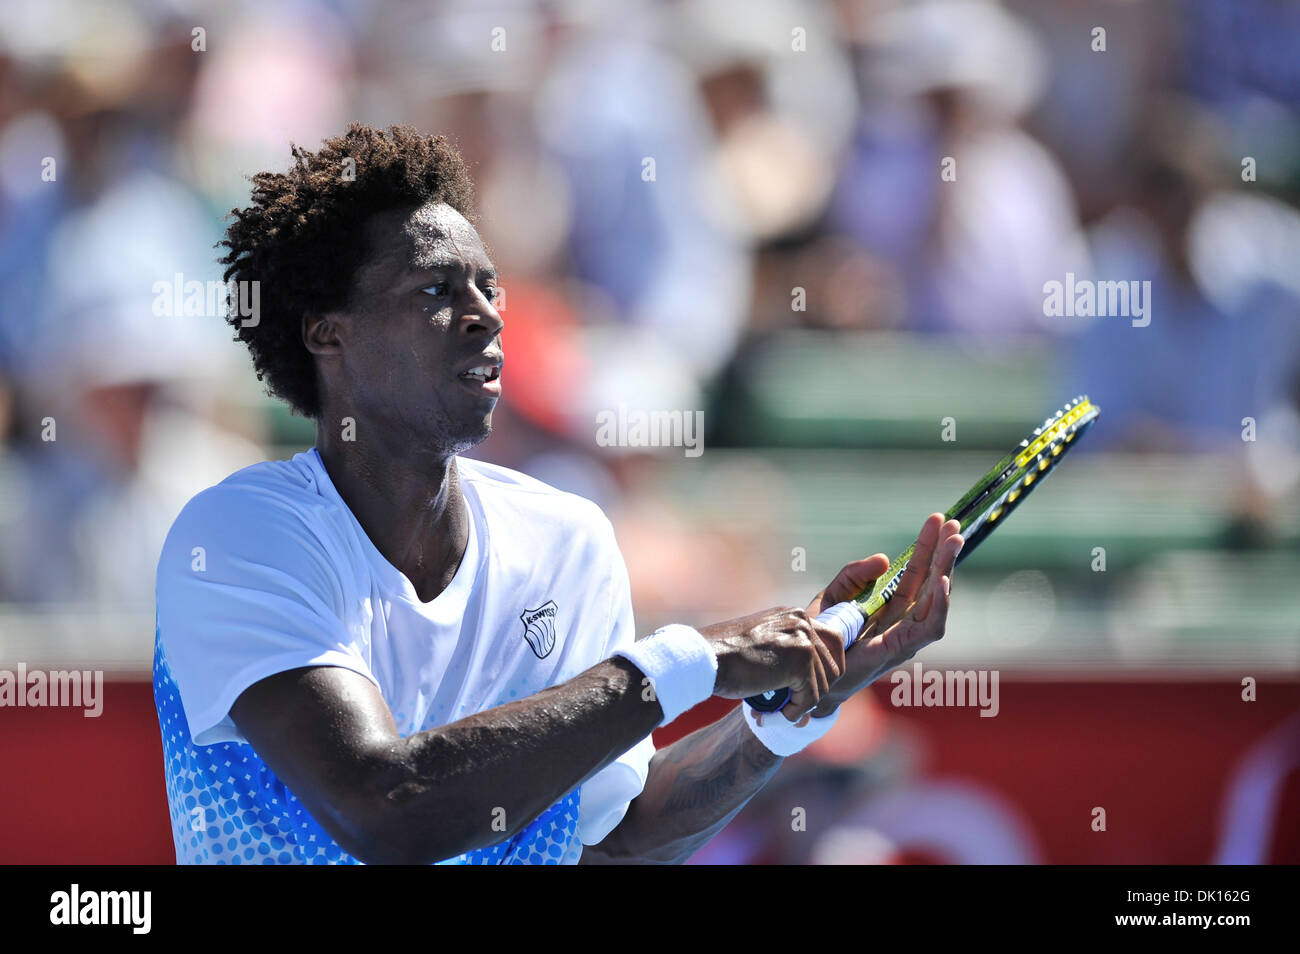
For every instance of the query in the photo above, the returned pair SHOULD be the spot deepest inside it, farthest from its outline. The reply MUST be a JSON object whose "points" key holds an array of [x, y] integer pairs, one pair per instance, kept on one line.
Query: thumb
{"points": [[854, 578]]}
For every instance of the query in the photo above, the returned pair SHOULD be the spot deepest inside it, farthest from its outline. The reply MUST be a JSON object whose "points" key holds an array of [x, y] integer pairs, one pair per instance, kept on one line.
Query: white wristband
{"points": [[781, 736], [680, 664]]}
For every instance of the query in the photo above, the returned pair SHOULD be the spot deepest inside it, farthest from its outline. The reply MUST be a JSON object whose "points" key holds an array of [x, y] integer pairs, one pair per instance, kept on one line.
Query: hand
{"points": [[774, 649], [915, 617]]}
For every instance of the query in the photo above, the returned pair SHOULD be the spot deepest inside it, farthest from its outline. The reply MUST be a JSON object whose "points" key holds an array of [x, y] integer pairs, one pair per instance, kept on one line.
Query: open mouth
{"points": [[483, 378], [483, 373]]}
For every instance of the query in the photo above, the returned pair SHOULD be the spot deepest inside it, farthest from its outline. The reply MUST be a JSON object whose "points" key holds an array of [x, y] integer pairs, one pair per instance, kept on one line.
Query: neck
{"points": [[408, 501]]}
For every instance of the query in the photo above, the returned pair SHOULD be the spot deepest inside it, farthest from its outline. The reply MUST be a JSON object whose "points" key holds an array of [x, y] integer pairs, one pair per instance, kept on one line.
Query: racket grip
{"points": [[847, 619]]}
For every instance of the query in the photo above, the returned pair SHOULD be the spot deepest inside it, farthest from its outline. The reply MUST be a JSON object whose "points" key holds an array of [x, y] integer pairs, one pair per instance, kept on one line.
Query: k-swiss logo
{"points": [[539, 628]]}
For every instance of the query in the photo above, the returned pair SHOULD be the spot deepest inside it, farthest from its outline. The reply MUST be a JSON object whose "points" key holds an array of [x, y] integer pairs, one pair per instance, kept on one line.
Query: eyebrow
{"points": [[450, 265]]}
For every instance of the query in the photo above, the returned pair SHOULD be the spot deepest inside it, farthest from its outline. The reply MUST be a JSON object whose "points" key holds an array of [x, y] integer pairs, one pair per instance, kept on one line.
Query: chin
{"points": [[467, 437], [445, 432]]}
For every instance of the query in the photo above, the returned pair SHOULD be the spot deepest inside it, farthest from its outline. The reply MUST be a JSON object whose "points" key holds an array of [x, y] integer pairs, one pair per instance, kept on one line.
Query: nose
{"points": [[481, 316]]}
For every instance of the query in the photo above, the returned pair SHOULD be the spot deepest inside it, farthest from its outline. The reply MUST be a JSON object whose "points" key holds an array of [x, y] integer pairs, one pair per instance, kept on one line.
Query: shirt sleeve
{"points": [[607, 794], [246, 589]]}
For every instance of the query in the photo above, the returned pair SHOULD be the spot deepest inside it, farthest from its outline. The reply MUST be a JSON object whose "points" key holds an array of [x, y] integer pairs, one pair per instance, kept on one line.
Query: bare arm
{"points": [[694, 788], [697, 785], [329, 735]]}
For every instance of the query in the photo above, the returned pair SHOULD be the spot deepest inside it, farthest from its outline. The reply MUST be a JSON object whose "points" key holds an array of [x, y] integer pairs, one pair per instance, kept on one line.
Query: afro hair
{"points": [[300, 238]]}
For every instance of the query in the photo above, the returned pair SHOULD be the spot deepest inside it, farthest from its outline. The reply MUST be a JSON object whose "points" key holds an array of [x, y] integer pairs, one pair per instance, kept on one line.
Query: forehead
{"points": [[432, 235]]}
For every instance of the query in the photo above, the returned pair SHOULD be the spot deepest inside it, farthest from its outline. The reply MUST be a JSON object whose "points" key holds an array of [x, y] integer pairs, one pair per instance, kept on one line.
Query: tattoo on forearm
{"points": [[696, 786], [700, 785]]}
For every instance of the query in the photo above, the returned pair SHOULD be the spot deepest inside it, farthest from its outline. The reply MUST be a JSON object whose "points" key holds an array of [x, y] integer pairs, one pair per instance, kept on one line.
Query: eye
{"points": [[437, 289], [492, 293]]}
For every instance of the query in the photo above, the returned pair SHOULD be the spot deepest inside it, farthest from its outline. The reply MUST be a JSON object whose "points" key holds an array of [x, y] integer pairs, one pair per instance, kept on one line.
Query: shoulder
{"points": [[503, 484], [509, 493], [267, 490], [272, 512]]}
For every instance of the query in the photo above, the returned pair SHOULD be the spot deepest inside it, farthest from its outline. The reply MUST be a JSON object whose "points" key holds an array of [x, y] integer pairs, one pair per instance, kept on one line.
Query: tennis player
{"points": [[380, 651]]}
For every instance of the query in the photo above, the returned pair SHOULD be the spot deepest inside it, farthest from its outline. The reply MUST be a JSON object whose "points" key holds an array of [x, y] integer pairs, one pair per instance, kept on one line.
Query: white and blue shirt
{"points": [[270, 571]]}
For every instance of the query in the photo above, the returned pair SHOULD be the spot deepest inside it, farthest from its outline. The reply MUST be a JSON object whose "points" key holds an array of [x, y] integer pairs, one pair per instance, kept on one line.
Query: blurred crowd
{"points": [[656, 180], [659, 183]]}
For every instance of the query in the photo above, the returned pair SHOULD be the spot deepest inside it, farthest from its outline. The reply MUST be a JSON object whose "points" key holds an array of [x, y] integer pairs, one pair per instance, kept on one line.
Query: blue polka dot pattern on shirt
{"points": [[228, 807]]}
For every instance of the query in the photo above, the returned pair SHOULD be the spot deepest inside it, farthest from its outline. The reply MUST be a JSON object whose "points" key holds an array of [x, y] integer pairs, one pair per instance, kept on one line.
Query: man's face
{"points": [[421, 348]]}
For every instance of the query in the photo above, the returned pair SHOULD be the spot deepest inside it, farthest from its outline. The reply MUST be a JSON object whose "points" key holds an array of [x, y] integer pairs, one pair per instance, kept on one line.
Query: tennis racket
{"points": [[983, 508]]}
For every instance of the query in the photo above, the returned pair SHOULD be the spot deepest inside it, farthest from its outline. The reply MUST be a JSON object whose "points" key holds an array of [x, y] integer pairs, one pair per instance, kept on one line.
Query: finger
{"points": [[945, 558], [919, 564], [822, 678], [942, 600], [808, 694], [794, 710], [939, 561], [941, 582], [830, 669], [947, 534], [958, 543], [854, 578], [945, 561], [916, 574], [921, 608], [830, 643], [798, 701]]}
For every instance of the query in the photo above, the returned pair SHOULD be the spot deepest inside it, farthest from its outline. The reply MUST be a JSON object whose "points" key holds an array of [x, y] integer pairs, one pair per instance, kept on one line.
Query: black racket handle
{"points": [[845, 617]]}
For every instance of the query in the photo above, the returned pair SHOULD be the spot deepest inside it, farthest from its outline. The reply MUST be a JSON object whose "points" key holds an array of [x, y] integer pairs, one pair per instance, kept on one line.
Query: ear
{"points": [[322, 334]]}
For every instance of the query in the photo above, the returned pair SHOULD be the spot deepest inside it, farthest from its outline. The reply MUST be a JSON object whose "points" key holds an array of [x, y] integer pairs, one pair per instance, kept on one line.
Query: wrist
{"points": [[679, 665], [782, 737]]}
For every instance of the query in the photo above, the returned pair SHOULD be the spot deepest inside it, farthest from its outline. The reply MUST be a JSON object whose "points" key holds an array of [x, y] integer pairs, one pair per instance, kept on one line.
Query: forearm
{"points": [[481, 779], [694, 788]]}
